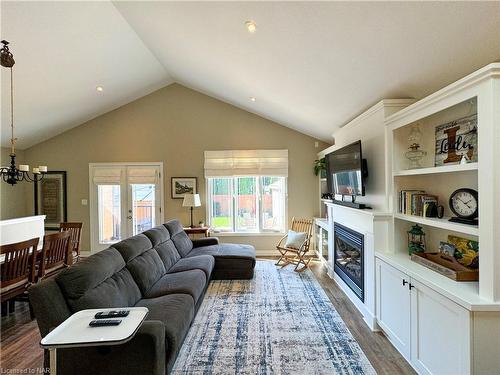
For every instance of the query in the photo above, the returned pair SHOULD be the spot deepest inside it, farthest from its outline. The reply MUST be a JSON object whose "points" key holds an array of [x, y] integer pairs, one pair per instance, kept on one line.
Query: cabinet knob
{"points": [[405, 282], [411, 286]]}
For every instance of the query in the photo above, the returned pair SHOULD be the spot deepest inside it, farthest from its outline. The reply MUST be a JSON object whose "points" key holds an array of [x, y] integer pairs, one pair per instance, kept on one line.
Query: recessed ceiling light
{"points": [[252, 99], [99, 88], [251, 26]]}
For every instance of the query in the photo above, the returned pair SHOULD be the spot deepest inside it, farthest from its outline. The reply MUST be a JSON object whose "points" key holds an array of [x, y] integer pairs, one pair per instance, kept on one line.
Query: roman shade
{"points": [[246, 163], [142, 175], [135, 175], [108, 176]]}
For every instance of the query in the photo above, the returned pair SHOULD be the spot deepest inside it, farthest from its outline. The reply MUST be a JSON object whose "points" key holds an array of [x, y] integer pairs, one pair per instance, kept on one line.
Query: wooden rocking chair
{"points": [[291, 255]]}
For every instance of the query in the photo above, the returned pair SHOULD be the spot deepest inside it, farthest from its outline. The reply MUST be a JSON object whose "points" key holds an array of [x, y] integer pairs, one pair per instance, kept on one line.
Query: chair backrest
{"points": [[76, 234], [18, 264], [56, 252], [303, 225]]}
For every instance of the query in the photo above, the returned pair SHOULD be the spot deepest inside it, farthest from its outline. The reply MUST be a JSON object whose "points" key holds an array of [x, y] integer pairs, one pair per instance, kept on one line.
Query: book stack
{"points": [[416, 202]]}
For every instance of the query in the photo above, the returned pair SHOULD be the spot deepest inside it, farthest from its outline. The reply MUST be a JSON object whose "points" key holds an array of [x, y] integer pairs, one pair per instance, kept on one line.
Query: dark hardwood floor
{"points": [[20, 338], [20, 348], [382, 355]]}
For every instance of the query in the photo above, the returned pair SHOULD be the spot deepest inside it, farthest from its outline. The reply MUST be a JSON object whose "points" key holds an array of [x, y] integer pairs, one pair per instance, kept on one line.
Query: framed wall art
{"points": [[51, 199], [183, 185], [456, 141]]}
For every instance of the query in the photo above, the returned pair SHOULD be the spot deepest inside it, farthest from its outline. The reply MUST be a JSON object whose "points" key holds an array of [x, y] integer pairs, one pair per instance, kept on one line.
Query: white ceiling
{"points": [[311, 66], [63, 50]]}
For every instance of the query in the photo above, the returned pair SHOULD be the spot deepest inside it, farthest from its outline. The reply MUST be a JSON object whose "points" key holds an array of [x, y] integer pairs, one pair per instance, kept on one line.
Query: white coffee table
{"points": [[76, 332]]}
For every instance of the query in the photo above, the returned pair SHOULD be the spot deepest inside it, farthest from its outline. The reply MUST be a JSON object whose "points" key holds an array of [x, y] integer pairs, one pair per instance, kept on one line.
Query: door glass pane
{"points": [[143, 207], [273, 203], [109, 211], [221, 209], [246, 204]]}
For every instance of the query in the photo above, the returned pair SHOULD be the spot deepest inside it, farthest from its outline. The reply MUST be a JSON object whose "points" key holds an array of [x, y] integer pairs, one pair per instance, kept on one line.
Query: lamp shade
{"points": [[191, 200]]}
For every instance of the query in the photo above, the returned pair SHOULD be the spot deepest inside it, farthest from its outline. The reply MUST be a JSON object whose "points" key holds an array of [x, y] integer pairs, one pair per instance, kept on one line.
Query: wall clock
{"points": [[464, 203]]}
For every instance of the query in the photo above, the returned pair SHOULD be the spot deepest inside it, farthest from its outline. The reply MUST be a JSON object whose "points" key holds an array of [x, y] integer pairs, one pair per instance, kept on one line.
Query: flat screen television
{"points": [[346, 171]]}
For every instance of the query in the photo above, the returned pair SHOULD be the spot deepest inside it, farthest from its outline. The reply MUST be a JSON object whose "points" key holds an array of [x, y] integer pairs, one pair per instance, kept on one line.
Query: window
{"points": [[125, 199], [247, 204], [143, 207], [246, 190], [109, 213]]}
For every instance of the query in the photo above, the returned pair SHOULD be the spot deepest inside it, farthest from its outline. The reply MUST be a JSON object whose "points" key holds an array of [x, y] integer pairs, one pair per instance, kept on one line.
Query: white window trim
{"points": [[260, 232]]}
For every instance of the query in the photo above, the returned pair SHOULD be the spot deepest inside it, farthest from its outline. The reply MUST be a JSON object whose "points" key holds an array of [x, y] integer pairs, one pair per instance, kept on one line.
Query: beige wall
{"points": [[13, 199], [175, 125]]}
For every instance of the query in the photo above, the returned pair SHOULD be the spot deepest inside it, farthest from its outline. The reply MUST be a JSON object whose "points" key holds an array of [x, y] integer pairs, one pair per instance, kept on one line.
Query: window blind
{"points": [[246, 163], [110, 176], [142, 175]]}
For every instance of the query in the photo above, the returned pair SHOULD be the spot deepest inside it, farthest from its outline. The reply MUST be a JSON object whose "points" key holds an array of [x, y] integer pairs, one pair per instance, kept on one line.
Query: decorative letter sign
{"points": [[455, 139]]}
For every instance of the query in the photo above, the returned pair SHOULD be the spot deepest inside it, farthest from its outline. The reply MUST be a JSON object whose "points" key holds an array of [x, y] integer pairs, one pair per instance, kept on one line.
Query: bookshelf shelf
{"points": [[432, 170], [442, 223]]}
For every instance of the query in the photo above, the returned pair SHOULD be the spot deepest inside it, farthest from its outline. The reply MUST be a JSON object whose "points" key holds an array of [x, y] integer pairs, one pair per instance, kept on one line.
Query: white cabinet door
{"points": [[393, 306], [440, 332]]}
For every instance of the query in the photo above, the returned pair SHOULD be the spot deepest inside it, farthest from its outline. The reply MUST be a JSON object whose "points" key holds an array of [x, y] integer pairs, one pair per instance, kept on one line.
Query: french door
{"points": [[125, 199]]}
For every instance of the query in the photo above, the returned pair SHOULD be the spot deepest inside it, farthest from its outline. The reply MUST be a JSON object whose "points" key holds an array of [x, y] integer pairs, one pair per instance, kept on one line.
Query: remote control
{"points": [[111, 314], [105, 322]]}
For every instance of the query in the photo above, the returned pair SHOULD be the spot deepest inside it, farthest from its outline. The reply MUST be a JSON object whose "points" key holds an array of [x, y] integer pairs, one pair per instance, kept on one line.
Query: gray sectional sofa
{"points": [[161, 269]]}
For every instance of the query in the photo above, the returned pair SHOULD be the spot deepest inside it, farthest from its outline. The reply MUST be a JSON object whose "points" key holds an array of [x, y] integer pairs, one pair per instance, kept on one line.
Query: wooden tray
{"points": [[446, 266]]}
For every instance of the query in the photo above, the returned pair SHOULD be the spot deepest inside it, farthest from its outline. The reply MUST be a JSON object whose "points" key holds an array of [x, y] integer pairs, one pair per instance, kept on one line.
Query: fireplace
{"points": [[348, 255]]}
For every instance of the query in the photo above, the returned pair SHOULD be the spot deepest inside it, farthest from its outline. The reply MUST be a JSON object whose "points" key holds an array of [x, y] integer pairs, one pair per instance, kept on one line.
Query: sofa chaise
{"points": [[161, 269]]}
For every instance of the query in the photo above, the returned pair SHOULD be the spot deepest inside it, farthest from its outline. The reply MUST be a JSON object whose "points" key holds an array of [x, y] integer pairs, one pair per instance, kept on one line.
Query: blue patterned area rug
{"points": [[281, 322]]}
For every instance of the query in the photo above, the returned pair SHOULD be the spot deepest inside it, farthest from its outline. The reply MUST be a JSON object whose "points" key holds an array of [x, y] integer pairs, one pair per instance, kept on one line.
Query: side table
{"points": [[76, 332], [198, 230]]}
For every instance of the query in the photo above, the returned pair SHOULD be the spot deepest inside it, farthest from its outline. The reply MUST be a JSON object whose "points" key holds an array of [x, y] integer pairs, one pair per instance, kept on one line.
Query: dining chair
{"points": [[17, 270], [56, 254], [76, 234], [296, 254]]}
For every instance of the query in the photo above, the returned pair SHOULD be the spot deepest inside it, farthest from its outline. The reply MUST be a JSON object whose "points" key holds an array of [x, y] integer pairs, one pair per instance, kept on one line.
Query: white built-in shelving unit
{"points": [[440, 325], [476, 93]]}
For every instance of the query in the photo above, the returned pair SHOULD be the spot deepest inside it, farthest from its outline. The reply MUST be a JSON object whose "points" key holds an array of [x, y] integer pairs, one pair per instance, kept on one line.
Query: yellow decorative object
{"points": [[467, 251]]}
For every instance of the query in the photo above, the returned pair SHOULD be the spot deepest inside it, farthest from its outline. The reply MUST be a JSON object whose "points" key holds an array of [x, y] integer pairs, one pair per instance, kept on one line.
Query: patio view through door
{"points": [[125, 199]]}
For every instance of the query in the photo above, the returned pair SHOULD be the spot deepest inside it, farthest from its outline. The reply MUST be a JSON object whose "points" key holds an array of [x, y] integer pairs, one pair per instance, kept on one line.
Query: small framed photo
{"points": [[447, 249], [183, 185], [50, 199]]}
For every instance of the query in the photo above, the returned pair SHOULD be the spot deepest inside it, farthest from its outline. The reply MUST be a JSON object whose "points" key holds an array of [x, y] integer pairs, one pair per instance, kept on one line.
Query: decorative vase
{"points": [[414, 153]]}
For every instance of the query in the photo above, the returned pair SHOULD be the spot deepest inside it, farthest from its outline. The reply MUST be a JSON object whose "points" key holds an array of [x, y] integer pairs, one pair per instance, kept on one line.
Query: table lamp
{"points": [[191, 200]]}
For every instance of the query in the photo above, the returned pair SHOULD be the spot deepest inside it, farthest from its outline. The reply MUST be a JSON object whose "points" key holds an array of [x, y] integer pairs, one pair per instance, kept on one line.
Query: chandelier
{"points": [[13, 174]]}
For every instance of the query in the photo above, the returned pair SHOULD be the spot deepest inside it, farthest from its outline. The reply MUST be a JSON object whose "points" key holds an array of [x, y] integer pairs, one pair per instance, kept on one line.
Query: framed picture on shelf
{"points": [[456, 141], [183, 185], [51, 200]]}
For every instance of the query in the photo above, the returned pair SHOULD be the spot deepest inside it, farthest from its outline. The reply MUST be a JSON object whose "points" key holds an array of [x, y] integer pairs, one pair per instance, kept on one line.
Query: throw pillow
{"points": [[295, 239]]}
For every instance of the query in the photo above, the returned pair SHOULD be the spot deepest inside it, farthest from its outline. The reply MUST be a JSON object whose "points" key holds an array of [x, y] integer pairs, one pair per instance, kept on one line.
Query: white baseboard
{"points": [[266, 253]]}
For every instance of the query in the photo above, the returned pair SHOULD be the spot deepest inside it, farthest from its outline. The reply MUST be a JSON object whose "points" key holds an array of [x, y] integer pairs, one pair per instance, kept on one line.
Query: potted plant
{"points": [[320, 167]]}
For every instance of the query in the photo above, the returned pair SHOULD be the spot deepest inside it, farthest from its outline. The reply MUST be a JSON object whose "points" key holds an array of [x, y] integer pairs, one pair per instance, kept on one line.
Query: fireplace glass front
{"points": [[349, 258]]}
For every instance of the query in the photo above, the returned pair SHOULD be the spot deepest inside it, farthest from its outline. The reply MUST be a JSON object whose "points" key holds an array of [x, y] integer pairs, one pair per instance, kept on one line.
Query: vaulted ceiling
{"points": [[310, 66]]}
